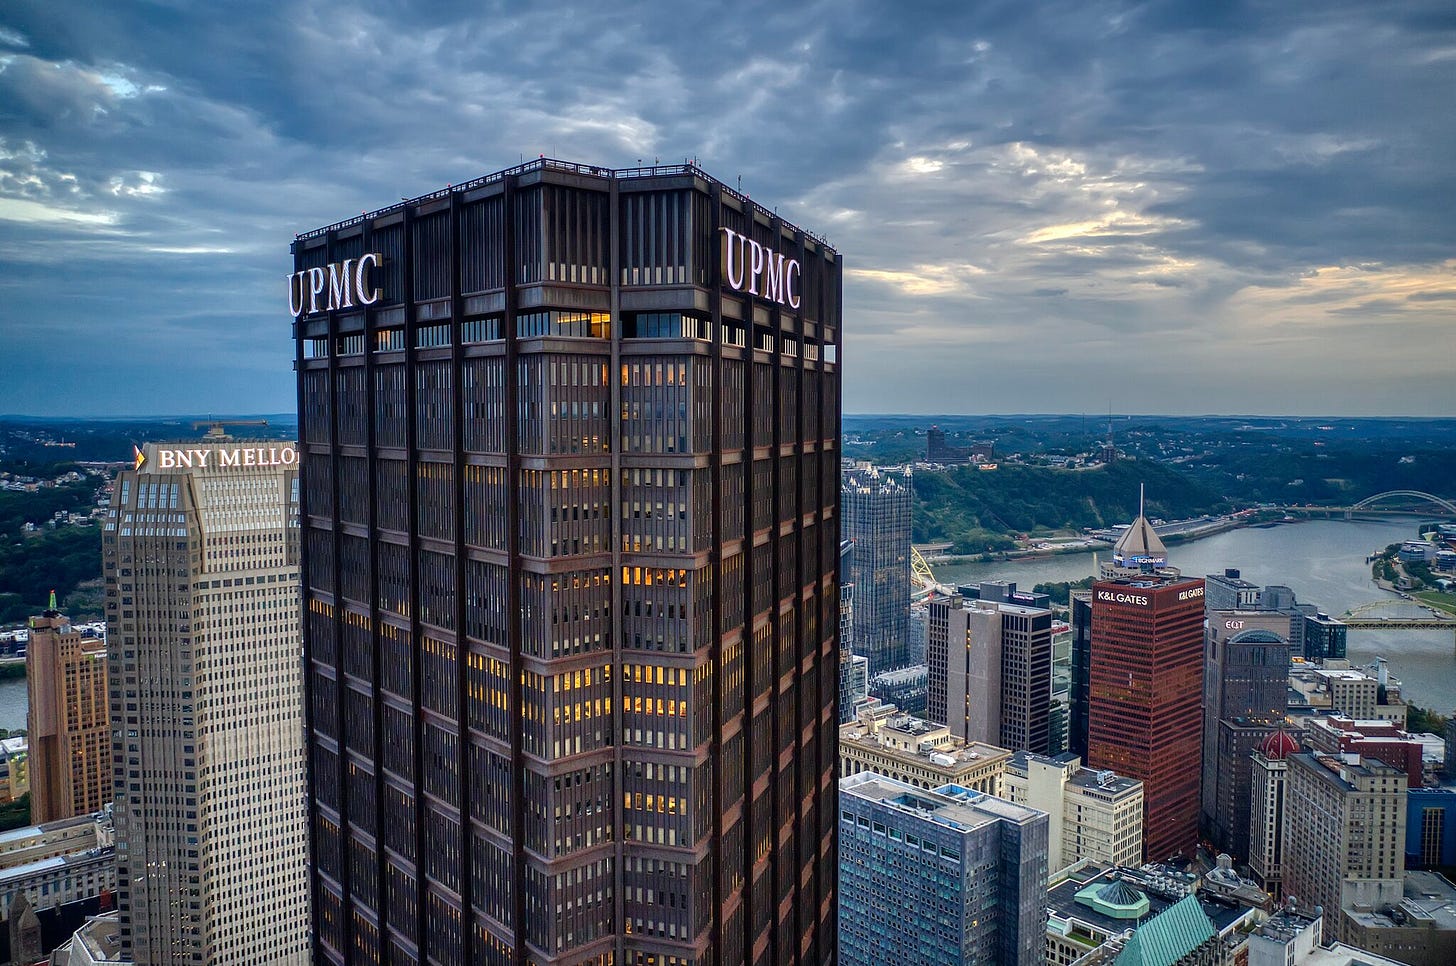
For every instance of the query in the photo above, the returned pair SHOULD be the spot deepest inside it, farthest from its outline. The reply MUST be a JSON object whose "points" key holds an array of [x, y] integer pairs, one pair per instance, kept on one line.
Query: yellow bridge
{"points": [[1364, 618]]}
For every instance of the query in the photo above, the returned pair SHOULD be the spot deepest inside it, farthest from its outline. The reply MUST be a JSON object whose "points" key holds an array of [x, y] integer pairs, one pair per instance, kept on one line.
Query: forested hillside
{"points": [[978, 509]]}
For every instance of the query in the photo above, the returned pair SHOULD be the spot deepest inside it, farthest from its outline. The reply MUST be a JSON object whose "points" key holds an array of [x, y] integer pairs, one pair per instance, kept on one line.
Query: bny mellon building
{"points": [[570, 503], [200, 558]]}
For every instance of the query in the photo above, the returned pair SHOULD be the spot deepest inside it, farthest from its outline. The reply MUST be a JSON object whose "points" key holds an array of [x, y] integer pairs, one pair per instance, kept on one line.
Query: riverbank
{"points": [[1099, 546], [1322, 560]]}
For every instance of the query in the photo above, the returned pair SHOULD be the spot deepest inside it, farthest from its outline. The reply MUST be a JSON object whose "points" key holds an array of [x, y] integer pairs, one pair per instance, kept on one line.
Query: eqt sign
{"points": [[344, 285]]}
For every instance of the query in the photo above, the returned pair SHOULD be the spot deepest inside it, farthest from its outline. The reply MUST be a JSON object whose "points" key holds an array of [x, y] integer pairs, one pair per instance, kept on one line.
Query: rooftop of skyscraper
{"points": [[950, 805]]}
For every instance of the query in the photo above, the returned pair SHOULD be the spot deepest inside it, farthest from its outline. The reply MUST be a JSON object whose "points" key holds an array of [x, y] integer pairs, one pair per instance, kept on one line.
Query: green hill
{"points": [[979, 510]]}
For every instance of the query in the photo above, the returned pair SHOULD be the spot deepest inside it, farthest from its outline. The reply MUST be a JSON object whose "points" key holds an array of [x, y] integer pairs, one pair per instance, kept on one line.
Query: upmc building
{"points": [[570, 504]]}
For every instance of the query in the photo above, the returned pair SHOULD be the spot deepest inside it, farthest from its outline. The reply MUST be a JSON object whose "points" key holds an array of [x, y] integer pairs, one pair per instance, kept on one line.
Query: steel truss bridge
{"points": [[1365, 617]]}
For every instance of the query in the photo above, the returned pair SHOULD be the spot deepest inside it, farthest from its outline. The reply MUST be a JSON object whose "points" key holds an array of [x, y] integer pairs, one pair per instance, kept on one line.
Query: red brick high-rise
{"points": [[1145, 699]]}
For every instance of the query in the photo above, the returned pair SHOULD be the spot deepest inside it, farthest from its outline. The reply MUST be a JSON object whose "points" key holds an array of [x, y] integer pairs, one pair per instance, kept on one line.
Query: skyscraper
{"points": [[571, 509], [1245, 689], [1266, 810], [1344, 835], [1079, 712], [1145, 699], [939, 877], [990, 671], [68, 720], [877, 507], [200, 558]]}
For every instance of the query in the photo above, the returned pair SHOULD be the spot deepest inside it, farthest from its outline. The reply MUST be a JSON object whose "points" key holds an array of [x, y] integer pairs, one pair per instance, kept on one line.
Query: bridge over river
{"points": [[1370, 617]]}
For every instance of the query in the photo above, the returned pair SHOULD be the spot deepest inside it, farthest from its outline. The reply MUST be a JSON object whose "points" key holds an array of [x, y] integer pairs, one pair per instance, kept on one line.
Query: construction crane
{"points": [[215, 426]]}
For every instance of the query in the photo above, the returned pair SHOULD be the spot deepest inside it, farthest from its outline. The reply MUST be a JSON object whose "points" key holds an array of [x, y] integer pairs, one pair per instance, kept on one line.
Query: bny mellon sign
{"points": [[223, 458]]}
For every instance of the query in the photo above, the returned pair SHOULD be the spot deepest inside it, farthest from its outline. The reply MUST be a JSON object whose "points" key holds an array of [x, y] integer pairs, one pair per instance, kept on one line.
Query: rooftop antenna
{"points": [[1141, 497]]}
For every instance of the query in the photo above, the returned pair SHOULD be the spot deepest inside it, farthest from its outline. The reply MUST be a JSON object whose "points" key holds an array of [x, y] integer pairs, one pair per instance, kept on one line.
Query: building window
{"points": [[432, 336], [487, 329], [594, 325]]}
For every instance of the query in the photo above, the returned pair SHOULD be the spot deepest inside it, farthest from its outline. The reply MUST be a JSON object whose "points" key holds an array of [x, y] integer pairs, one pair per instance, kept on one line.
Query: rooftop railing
{"points": [[552, 164]]}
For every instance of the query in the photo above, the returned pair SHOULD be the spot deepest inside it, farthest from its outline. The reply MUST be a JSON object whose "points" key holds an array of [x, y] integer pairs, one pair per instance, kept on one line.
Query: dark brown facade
{"points": [[1145, 697], [571, 532]]}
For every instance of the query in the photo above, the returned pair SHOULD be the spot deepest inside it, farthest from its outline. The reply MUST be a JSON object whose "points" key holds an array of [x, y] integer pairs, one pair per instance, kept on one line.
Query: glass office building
{"points": [[939, 878], [877, 511], [570, 552]]}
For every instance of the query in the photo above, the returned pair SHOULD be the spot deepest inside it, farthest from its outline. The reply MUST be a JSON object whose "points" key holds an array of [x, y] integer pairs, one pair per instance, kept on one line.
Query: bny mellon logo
{"points": [[138, 456]]}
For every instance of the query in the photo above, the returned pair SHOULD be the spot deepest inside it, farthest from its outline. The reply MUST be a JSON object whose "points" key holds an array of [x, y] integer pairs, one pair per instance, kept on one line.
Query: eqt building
{"points": [[570, 510]]}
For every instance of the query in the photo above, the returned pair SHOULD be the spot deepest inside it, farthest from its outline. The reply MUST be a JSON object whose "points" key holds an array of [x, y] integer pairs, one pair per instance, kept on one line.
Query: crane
{"points": [[215, 426]]}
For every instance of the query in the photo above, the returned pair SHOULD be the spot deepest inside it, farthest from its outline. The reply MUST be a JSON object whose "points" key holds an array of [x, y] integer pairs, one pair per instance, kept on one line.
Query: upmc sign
{"points": [[759, 270], [342, 285]]}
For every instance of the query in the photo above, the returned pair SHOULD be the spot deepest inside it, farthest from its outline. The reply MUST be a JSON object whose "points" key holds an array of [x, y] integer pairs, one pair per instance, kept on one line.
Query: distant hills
{"points": [[1191, 465]]}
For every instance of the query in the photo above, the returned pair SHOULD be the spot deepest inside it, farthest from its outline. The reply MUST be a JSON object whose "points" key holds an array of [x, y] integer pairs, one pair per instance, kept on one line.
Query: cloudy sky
{"points": [[1043, 206]]}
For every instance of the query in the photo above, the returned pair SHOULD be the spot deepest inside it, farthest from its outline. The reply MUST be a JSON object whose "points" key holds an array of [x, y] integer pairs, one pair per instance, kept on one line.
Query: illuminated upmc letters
{"points": [[759, 270], [343, 283]]}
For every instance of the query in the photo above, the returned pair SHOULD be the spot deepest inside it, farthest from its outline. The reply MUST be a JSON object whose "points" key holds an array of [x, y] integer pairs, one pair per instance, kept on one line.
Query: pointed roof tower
{"points": [[1140, 548]]}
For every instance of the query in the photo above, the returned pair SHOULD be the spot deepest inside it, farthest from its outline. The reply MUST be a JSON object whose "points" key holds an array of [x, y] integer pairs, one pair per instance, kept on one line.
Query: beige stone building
{"points": [[201, 560], [1095, 815], [1344, 835], [919, 753], [68, 720]]}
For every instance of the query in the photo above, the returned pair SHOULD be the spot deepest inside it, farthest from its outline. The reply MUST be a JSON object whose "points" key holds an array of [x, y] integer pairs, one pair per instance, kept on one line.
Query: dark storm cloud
{"points": [[1058, 189]]}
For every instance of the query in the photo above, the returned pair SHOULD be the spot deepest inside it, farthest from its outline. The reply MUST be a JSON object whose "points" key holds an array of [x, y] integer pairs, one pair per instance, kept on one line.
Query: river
{"points": [[1323, 560], [13, 703]]}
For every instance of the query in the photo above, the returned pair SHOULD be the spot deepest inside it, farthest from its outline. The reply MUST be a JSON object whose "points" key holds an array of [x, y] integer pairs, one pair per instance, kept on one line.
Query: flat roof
{"points": [[962, 809], [572, 168]]}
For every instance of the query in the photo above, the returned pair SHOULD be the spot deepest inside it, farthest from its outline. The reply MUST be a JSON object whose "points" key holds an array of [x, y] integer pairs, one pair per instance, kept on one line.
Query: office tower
{"points": [[903, 687], [200, 559], [68, 721], [1230, 591], [1094, 815], [991, 671], [1078, 713], [1266, 809], [1059, 724], [1245, 688], [1344, 835], [854, 683], [571, 538], [877, 505], [1430, 828], [1347, 691], [1145, 687], [939, 877], [854, 671], [1324, 637]]}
